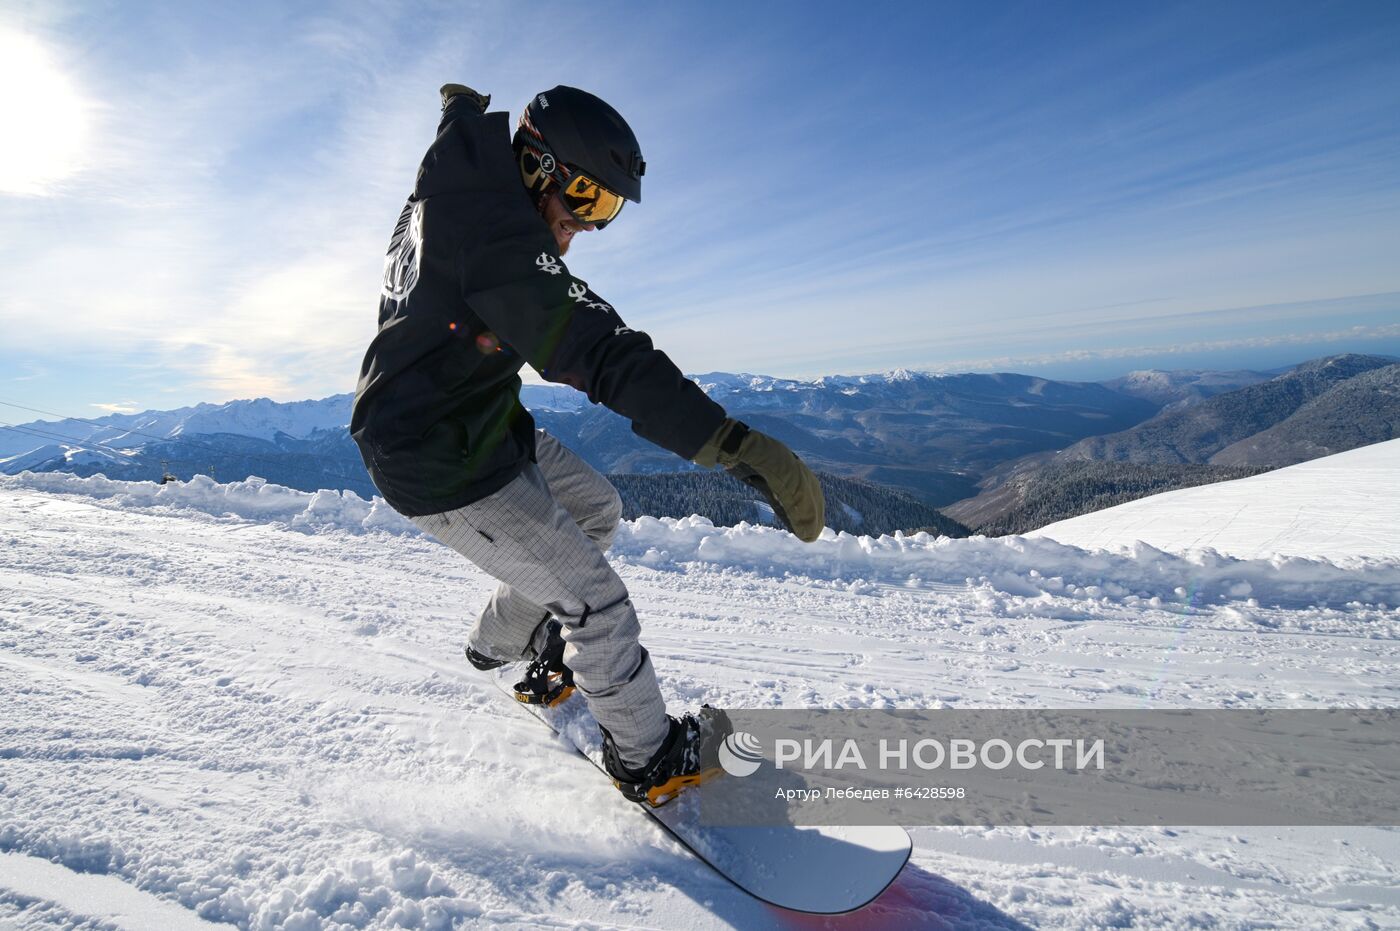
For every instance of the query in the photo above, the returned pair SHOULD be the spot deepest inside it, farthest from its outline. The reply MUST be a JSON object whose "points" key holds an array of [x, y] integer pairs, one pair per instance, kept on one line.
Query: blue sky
{"points": [[200, 196]]}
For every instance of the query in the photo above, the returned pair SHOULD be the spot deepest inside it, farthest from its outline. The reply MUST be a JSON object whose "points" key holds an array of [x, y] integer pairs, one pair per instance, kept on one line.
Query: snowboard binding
{"points": [[688, 757], [547, 680]]}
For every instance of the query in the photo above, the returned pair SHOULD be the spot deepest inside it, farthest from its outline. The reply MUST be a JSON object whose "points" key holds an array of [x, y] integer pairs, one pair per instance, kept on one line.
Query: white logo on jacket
{"points": [[578, 290], [405, 255]]}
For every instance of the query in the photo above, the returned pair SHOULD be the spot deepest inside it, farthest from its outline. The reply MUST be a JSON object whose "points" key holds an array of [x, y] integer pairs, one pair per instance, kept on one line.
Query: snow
{"points": [[781, 391], [553, 398], [247, 703], [1338, 507], [70, 898], [1139, 574], [72, 455], [254, 498]]}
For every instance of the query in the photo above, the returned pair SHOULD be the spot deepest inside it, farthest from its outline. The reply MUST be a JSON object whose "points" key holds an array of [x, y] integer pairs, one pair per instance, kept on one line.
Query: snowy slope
{"points": [[1341, 506], [247, 704]]}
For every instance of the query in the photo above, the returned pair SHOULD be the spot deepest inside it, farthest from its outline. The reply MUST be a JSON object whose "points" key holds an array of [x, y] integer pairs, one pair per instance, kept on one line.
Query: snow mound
{"points": [[1033, 571], [254, 499], [1338, 507]]}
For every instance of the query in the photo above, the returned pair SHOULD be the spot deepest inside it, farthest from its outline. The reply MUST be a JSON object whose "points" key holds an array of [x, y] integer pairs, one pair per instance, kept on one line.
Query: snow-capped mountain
{"points": [[932, 436], [1174, 390], [69, 457], [764, 391], [260, 418], [244, 703]]}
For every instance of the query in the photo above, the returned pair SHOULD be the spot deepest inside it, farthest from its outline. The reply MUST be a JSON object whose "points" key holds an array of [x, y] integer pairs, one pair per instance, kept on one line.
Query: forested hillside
{"points": [[1069, 489], [851, 505], [1319, 408]]}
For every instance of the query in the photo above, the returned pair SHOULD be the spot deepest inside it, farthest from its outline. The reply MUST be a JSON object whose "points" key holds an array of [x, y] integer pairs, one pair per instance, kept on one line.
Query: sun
{"points": [[44, 118]]}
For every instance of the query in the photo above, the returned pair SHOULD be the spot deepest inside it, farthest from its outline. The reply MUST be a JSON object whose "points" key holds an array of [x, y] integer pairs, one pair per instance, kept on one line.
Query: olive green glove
{"points": [[449, 91], [765, 463]]}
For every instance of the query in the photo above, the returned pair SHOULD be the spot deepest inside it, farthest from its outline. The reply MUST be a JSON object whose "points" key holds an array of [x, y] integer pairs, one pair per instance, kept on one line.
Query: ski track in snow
{"points": [[249, 702]]}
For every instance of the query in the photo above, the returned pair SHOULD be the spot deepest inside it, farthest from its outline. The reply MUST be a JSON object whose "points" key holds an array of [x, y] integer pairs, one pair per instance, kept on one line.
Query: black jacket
{"points": [[473, 290]]}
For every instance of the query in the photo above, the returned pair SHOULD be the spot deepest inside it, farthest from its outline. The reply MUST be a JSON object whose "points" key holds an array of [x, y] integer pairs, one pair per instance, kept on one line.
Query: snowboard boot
{"points": [[483, 663], [547, 680], [687, 757]]}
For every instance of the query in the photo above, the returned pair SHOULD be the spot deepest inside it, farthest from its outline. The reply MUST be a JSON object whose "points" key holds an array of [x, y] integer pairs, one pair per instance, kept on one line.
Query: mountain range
{"points": [[998, 452], [1203, 431], [1321, 407], [932, 436]]}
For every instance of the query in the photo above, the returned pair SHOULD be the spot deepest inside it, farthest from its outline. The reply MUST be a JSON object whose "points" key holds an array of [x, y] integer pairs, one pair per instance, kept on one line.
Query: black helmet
{"points": [[569, 127]]}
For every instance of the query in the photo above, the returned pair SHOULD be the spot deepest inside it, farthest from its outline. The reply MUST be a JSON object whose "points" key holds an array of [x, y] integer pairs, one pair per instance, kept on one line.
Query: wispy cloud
{"points": [[178, 243], [119, 407], [31, 373]]}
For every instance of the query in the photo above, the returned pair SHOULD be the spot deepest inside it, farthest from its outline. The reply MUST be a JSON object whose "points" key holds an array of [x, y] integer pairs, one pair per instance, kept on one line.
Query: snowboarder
{"points": [[474, 289]]}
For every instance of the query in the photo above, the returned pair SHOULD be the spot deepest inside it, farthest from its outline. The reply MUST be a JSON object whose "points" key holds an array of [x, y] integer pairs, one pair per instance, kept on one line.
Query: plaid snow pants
{"points": [[543, 537]]}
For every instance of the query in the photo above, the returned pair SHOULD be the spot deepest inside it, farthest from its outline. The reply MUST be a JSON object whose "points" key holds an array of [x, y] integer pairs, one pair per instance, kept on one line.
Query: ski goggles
{"points": [[588, 200]]}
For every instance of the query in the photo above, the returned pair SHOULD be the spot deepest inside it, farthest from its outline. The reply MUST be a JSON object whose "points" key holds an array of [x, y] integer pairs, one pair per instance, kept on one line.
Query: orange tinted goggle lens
{"points": [[590, 202]]}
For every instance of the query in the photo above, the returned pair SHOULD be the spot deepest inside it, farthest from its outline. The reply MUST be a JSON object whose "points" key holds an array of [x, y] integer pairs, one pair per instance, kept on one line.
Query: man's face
{"points": [[562, 223]]}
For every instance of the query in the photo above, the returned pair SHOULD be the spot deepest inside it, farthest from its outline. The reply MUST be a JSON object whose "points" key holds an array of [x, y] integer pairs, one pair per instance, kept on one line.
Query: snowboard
{"points": [[821, 870]]}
